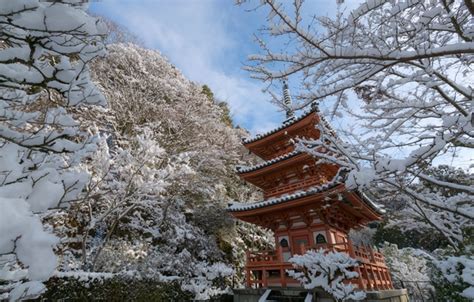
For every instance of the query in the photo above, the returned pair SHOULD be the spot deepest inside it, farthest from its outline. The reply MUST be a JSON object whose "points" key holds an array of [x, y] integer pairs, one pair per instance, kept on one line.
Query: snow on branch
{"points": [[44, 51]]}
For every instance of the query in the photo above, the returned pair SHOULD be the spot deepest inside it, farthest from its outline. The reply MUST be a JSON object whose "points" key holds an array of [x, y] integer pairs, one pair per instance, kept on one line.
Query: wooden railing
{"points": [[289, 188], [373, 273], [264, 257], [364, 254]]}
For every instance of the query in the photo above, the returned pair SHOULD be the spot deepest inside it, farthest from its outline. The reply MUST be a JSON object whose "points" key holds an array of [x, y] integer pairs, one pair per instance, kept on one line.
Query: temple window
{"points": [[320, 239]]}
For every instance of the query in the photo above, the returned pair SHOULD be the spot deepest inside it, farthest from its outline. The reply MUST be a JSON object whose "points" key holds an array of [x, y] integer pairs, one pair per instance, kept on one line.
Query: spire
{"points": [[290, 115]]}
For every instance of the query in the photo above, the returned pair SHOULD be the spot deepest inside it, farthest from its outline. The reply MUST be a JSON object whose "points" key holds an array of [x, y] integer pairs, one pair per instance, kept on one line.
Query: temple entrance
{"points": [[300, 244]]}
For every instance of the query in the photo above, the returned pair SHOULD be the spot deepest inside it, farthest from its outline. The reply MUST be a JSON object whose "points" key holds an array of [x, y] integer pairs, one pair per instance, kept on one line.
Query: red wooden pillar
{"points": [[389, 277], [351, 252], [370, 277], [365, 276], [380, 284], [282, 270], [387, 281], [350, 248], [282, 277], [372, 271]]}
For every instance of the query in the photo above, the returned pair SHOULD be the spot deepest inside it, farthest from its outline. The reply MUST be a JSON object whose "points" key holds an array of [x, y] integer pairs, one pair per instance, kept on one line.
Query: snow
{"points": [[362, 178], [161, 182], [282, 126], [243, 169], [22, 232], [265, 295], [29, 290], [459, 269], [327, 270], [41, 145]]}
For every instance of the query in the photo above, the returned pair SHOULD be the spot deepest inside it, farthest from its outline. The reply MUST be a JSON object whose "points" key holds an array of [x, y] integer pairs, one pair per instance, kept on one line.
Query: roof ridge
{"points": [[282, 126], [245, 169]]}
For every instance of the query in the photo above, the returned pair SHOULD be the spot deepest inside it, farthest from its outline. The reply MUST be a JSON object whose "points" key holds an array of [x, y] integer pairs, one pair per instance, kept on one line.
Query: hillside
{"points": [[161, 181]]}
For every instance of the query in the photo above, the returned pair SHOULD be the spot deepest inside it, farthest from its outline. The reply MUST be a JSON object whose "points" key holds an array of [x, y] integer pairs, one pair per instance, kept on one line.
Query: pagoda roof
{"points": [[281, 127], [238, 207], [245, 169], [336, 182]]}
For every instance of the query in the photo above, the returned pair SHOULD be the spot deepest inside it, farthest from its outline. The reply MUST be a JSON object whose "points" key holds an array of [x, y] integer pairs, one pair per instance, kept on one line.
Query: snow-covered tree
{"points": [[327, 270], [455, 278], [414, 216], [409, 268], [44, 51], [409, 63], [187, 121], [161, 178]]}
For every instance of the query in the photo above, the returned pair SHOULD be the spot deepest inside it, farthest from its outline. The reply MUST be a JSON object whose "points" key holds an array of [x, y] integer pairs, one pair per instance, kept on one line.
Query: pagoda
{"points": [[306, 205]]}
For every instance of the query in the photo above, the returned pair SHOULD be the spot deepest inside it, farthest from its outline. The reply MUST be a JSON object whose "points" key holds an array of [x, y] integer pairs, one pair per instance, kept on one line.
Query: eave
{"points": [[248, 141], [301, 198]]}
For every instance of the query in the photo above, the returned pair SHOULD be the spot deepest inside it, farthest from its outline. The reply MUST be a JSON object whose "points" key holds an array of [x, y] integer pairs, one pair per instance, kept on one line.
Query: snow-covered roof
{"points": [[377, 207], [282, 126], [234, 207], [245, 169], [337, 180]]}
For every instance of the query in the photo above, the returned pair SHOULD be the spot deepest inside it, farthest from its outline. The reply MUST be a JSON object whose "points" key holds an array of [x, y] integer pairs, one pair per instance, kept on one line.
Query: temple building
{"points": [[306, 205]]}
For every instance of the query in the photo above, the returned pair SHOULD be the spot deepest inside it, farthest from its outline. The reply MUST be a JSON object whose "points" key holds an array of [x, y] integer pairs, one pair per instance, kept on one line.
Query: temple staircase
{"points": [[278, 295]]}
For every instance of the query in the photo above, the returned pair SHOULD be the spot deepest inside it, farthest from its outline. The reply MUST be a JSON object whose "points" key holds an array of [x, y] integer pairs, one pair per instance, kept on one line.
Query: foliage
{"points": [[410, 267], [226, 118], [454, 277], [208, 92], [416, 238], [114, 289]]}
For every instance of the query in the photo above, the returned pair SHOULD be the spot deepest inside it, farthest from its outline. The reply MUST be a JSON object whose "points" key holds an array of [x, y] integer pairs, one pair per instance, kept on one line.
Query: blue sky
{"points": [[209, 41]]}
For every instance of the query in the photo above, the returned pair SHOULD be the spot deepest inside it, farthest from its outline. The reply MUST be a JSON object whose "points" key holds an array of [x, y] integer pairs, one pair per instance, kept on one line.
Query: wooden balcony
{"points": [[293, 187], [268, 268]]}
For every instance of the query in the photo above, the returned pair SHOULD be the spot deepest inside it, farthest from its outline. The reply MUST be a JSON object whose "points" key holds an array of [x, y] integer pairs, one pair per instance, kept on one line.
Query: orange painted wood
{"points": [[330, 213]]}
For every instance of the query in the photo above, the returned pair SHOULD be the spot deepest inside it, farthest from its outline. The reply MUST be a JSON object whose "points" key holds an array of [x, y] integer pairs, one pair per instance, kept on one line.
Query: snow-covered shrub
{"points": [[362, 236], [117, 288], [326, 270], [410, 268], [454, 278], [44, 51]]}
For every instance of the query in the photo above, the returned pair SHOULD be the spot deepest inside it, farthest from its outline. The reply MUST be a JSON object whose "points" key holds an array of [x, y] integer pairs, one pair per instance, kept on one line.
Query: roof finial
{"points": [[287, 100], [315, 106]]}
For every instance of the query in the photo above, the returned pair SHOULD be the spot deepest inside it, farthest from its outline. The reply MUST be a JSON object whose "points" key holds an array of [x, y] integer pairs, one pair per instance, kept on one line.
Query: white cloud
{"points": [[195, 37]]}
